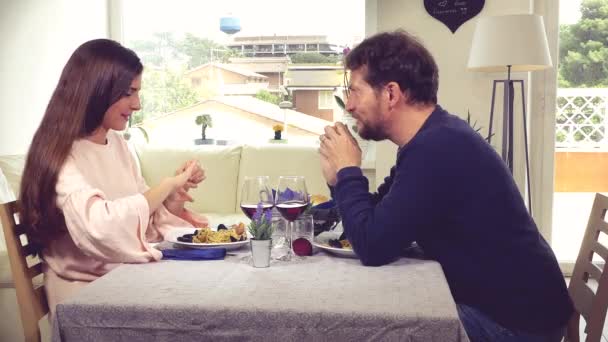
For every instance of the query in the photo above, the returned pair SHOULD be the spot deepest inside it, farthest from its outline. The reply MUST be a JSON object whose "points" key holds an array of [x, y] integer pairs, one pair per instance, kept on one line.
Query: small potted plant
{"points": [[261, 230], [278, 129], [204, 120], [131, 126]]}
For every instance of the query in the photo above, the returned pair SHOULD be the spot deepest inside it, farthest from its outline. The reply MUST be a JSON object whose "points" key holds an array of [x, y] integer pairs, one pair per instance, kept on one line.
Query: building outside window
{"points": [[191, 67], [326, 99]]}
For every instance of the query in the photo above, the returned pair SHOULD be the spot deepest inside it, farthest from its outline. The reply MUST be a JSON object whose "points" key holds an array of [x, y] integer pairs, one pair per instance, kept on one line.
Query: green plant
{"points": [[261, 227], [342, 106], [204, 120], [127, 133], [477, 129], [267, 96]]}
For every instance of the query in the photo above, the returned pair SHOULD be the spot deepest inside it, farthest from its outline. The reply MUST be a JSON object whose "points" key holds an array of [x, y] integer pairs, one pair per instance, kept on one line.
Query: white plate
{"points": [[322, 241], [176, 232]]}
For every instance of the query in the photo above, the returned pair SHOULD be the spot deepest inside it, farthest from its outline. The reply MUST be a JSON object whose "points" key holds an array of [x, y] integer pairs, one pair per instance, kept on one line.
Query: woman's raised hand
{"points": [[197, 175]]}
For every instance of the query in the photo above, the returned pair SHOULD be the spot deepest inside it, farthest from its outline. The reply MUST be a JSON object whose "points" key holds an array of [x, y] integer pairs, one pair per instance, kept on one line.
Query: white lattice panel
{"points": [[580, 120]]}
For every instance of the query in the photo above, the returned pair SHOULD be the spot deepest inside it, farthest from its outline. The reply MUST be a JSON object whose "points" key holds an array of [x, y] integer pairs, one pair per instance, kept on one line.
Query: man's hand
{"points": [[339, 149], [329, 171]]}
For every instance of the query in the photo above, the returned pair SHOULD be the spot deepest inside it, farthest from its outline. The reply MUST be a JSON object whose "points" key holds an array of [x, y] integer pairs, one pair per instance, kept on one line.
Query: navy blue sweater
{"points": [[451, 193]]}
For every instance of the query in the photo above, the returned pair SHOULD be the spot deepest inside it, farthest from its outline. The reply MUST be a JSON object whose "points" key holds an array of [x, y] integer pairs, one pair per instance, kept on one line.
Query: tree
{"points": [[267, 96], [584, 48], [313, 58], [159, 51], [165, 60], [164, 91], [202, 50], [204, 120]]}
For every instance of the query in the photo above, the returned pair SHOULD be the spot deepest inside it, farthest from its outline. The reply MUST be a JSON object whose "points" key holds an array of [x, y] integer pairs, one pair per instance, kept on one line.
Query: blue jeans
{"points": [[481, 328]]}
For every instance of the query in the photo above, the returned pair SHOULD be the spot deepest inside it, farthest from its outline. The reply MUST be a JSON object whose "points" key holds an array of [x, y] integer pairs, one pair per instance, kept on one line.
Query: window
{"points": [[581, 136], [312, 47], [326, 99], [192, 67]]}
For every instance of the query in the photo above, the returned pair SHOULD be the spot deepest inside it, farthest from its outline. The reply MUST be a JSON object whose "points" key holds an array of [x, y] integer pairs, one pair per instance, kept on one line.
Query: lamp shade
{"points": [[517, 40]]}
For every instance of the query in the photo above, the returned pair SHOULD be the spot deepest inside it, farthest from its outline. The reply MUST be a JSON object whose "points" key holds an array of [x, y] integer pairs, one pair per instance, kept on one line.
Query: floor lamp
{"points": [[510, 43]]}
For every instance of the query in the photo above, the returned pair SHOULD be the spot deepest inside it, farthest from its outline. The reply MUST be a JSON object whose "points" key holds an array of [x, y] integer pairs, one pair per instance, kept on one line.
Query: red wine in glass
{"points": [[249, 209], [291, 210]]}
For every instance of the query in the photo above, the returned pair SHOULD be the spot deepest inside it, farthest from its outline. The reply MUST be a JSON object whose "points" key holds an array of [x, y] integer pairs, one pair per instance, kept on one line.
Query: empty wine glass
{"points": [[291, 201], [256, 190]]}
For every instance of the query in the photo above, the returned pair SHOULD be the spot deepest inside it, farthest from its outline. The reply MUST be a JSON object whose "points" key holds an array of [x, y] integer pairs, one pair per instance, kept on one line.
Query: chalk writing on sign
{"points": [[453, 13]]}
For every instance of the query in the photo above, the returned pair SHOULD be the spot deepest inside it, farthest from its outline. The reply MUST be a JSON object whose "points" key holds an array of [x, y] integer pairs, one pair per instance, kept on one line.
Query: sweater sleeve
{"points": [[111, 230], [162, 220], [380, 226], [376, 196]]}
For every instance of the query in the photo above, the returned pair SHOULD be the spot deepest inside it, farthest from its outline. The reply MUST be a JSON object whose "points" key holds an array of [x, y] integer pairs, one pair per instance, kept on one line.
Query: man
{"points": [[449, 191]]}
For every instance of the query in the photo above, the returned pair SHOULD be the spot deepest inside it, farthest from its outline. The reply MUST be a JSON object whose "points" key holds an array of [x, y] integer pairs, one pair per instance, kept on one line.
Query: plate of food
{"points": [[229, 237], [331, 243]]}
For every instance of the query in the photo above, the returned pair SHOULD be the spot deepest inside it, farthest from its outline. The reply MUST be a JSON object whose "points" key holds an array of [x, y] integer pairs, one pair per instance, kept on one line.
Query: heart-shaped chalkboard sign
{"points": [[453, 13]]}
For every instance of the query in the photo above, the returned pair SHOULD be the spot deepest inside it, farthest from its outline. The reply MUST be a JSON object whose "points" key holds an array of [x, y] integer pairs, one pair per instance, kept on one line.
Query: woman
{"points": [[82, 196]]}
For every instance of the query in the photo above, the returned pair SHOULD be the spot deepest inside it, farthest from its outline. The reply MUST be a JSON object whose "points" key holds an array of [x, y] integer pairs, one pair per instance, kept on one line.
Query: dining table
{"points": [[322, 297]]}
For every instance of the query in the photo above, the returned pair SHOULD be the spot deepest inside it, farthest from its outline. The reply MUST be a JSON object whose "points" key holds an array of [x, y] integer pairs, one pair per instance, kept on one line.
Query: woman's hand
{"points": [[172, 187], [193, 174]]}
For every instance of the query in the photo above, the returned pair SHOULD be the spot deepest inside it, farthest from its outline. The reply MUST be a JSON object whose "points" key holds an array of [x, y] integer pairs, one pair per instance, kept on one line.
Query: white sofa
{"points": [[217, 197]]}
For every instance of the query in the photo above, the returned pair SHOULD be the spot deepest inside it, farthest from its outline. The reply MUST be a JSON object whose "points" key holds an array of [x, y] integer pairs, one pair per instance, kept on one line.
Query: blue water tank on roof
{"points": [[230, 25]]}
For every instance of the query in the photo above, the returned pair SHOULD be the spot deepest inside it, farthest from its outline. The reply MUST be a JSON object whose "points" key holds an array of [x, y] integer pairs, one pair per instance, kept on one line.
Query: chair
{"points": [[31, 299], [587, 303]]}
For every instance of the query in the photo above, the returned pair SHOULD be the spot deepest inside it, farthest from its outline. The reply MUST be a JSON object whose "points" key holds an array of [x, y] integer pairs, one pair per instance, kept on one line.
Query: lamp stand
{"points": [[507, 125]]}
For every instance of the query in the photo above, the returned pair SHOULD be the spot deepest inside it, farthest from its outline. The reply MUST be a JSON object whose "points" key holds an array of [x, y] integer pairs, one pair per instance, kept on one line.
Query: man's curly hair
{"points": [[397, 57]]}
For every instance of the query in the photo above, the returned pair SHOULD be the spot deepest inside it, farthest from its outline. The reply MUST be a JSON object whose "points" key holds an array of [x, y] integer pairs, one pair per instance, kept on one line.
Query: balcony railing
{"points": [[580, 121]]}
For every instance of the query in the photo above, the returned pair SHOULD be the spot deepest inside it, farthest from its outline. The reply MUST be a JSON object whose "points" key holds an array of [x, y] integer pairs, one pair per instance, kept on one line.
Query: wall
{"points": [[274, 79], [37, 39], [307, 101], [578, 171], [234, 124]]}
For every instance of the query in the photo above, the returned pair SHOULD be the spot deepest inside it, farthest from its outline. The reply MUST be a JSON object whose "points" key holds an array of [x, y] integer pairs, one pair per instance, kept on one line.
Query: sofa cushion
{"points": [[215, 194], [12, 168], [282, 160]]}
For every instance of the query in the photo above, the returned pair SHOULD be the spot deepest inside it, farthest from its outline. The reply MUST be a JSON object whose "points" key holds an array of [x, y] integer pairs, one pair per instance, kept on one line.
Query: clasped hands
{"points": [[338, 150], [187, 177]]}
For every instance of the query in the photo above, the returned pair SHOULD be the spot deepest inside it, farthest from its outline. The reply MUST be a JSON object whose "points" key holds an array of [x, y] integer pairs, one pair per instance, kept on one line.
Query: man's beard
{"points": [[373, 132]]}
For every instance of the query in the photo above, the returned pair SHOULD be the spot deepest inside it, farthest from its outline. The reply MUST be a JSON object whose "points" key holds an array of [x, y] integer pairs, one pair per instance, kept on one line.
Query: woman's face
{"points": [[117, 116]]}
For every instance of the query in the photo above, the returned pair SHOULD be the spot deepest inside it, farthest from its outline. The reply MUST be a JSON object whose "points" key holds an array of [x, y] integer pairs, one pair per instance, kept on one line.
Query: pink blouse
{"points": [[100, 192]]}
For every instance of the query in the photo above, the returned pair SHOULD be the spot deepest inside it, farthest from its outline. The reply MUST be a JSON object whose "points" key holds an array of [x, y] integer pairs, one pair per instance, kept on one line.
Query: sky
{"points": [[343, 21], [569, 11]]}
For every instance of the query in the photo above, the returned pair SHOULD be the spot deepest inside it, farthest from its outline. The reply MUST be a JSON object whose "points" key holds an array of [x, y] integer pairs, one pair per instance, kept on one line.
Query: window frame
{"points": [[325, 99]]}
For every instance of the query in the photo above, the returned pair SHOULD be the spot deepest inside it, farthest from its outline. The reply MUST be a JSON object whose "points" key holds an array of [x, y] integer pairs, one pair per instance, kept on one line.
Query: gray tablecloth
{"points": [[321, 298]]}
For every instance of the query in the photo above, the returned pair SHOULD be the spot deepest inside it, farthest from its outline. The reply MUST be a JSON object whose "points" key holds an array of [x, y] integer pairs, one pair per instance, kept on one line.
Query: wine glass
{"points": [[256, 190], [291, 201]]}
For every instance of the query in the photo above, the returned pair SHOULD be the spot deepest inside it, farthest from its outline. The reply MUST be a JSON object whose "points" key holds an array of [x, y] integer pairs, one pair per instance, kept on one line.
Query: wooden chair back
{"points": [[590, 304], [25, 266]]}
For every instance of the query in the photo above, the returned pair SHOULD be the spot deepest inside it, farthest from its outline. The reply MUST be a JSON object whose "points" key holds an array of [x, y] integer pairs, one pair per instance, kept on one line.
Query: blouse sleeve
{"points": [[162, 220], [111, 230]]}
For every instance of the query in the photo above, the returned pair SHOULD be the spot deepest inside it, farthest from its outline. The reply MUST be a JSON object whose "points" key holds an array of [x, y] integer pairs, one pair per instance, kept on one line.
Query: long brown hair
{"points": [[97, 75]]}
